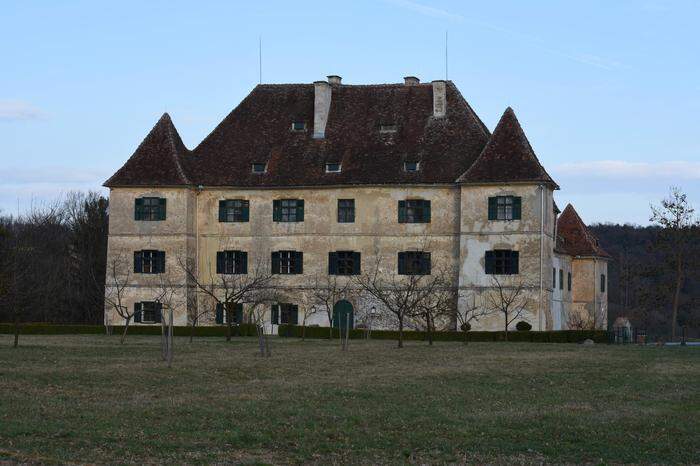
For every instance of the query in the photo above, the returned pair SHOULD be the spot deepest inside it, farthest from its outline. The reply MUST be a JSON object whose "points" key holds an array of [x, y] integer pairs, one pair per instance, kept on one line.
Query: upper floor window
{"points": [[504, 208], [232, 262], [231, 312], [568, 282], [502, 262], [284, 313], [388, 128], [554, 277], [414, 211], [288, 210], [234, 210], [346, 210], [561, 279], [259, 167], [149, 208], [333, 167], [287, 262], [149, 261], [299, 126], [602, 283], [148, 312], [414, 263], [411, 166], [344, 263]]}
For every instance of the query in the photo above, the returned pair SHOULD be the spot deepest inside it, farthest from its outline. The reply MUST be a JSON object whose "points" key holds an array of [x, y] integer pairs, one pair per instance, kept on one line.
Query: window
{"points": [[504, 208], [414, 263], [414, 211], [299, 126], [561, 279], [287, 262], [346, 210], [148, 312], [259, 168], [288, 210], [149, 209], [411, 166], [388, 128], [233, 313], [333, 167], [602, 283], [502, 262], [232, 262], [285, 313], [149, 261], [233, 210], [554, 277], [344, 263], [569, 282]]}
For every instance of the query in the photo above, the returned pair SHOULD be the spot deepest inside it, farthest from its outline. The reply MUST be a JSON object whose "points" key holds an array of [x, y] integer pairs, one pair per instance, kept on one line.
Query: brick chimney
{"points": [[411, 80], [322, 107], [439, 98]]}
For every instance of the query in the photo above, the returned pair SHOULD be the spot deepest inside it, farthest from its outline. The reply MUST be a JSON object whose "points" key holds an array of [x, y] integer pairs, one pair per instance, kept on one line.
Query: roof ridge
{"points": [[174, 143]]}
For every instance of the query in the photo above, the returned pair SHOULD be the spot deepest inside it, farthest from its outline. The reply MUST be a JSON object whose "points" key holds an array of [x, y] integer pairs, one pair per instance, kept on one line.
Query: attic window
{"points": [[299, 126], [411, 166], [333, 167], [388, 128], [259, 168]]}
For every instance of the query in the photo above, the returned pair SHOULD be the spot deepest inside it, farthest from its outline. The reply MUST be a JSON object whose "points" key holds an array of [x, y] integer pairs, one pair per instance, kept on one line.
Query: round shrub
{"points": [[523, 326], [465, 327]]}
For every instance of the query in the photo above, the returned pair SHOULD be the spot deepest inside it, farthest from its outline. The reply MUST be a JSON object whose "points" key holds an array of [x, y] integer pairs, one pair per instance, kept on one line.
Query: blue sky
{"points": [[608, 92]]}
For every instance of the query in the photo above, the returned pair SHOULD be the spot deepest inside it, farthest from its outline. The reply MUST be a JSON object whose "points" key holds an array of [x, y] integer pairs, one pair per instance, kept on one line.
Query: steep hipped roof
{"points": [[575, 239], [158, 161], [508, 157]]}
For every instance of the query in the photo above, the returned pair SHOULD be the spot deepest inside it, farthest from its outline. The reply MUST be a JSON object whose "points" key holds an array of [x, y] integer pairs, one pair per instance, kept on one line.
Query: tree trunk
{"points": [[126, 327], [506, 327], [430, 330], [228, 329], [466, 338], [194, 322], [676, 296], [303, 330], [401, 332], [16, 343]]}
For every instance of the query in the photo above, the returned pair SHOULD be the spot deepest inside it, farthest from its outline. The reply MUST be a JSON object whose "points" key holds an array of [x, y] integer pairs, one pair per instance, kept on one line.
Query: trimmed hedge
{"points": [[557, 336], [180, 331]]}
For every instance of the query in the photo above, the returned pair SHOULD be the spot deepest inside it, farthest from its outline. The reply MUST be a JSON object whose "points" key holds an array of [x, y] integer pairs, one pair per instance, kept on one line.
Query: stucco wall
{"points": [[588, 299]]}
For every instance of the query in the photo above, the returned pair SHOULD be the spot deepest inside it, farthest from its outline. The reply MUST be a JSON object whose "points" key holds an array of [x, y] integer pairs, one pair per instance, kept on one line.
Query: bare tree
{"points": [[118, 280], [169, 294], [438, 304], [676, 218], [471, 312], [328, 290], [511, 300]]}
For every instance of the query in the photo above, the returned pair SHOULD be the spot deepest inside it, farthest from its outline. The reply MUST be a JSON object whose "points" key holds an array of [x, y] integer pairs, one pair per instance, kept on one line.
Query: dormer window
{"points": [[411, 166], [298, 126], [259, 167], [388, 128], [333, 167]]}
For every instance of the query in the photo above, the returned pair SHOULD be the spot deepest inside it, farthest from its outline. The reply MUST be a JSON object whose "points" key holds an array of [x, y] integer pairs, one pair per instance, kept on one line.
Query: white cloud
{"points": [[426, 10], [621, 169], [18, 110]]}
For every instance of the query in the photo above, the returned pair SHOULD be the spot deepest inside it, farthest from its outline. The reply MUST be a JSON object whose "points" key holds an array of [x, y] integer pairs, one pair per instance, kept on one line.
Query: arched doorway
{"points": [[342, 314]]}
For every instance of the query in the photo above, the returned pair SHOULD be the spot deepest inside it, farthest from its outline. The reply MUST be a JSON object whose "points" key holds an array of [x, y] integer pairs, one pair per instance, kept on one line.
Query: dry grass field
{"points": [[88, 399]]}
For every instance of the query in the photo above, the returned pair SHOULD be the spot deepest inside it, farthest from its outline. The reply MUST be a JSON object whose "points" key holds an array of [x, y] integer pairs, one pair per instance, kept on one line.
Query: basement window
{"points": [[259, 167], [333, 167], [299, 126], [388, 128], [411, 166]]}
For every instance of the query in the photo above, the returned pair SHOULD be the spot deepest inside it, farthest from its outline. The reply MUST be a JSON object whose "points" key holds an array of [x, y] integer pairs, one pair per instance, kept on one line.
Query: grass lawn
{"points": [[90, 399]]}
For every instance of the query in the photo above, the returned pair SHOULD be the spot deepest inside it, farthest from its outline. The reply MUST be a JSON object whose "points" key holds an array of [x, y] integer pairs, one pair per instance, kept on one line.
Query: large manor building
{"points": [[307, 180]]}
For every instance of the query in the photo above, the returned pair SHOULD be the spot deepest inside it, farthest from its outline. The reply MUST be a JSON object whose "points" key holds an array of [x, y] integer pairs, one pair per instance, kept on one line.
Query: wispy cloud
{"points": [[426, 10], [620, 169], [18, 110]]}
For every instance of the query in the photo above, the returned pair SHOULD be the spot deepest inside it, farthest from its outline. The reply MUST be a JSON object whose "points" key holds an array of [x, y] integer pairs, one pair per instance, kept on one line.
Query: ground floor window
{"points": [[285, 313], [148, 312]]}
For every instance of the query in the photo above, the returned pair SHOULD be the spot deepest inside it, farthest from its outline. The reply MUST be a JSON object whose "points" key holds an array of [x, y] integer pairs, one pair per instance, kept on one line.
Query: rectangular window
{"points": [[232, 262], [285, 313], [411, 166], [414, 211], [502, 262], [149, 209], [561, 279], [233, 313], [234, 210], [414, 263], [602, 283], [333, 167], [288, 210], [287, 262], [346, 210], [344, 263], [259, 168], [554, 277], [569, 281], [149, 261], [388, 128], [299, 126], [505, 208], [148, 312]]}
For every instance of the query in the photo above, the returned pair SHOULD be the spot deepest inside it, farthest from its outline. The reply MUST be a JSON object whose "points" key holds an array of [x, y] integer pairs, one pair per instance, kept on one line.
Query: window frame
{"points": [[287, 262], [284, 212], [257, 172], [505, 208], [150, 209], [344, 263], [603, 283], [153, 305], [388, 128], [561, 279], [338, 164], [346, 211], [414, 263], [406, 164], [568, 281], [234, 210], [409, 208], [502, 262], [232, 262], [298, 130], [149, 262]]}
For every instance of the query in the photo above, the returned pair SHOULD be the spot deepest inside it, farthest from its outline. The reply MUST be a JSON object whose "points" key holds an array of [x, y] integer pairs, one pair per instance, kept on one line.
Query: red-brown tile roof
{"points": [[574, 237], [508, 157]]}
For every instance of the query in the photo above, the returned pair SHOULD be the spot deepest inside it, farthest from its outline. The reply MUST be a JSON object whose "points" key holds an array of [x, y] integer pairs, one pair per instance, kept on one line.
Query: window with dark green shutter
{"points": [[149, 261], [287, 262], [288, 210], [561, 279], [504, 208], [602, 283], [232, 262], [234, 210], [344, 263], [414, 263], [150, 312], [288, 314], [569, 282], [501, 262], [149, 209], [554, 277], [275, 314], [346, 210], [137, 312], [414, 211], [233, 313]]}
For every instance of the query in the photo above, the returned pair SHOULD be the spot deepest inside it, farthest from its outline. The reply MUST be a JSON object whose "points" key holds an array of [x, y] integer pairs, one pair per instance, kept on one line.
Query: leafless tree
{"points": [[169, 294], [509, 299], [439, 302], [470, 312], [676, 217], [584, 320], [328, 290], [118, 280]]}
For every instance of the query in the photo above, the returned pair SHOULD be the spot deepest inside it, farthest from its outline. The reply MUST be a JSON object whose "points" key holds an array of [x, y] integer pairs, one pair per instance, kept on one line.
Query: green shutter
{"points": [[137, 312], [276, 210], [517, 202], [332, 263], [222, 211], [515, 262], [275, 262], [219, 313], [298, 262], [220, 262], [138, 209], [489, 262], [300, 210], [239, 313], [161, 208], [426, 266], [426, 211], [275, 314], [138, 262], [161, 262], [245, 211], [159, 313], [402, 211], [243, 260], [493, 208], [356, 263], [294, 314], [402, 263]]}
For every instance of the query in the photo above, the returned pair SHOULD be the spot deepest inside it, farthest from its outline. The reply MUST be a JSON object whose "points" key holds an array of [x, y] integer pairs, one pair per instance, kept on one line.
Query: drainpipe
{"points": [[541, 254]]}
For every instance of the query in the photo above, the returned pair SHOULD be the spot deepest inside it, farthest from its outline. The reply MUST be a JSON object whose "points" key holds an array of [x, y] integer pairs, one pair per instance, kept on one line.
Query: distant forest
{"points": [[60, 276]]}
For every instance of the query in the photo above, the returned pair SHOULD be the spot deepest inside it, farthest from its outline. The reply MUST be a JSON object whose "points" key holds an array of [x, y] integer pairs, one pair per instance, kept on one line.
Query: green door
{"points": [[342, 313]]}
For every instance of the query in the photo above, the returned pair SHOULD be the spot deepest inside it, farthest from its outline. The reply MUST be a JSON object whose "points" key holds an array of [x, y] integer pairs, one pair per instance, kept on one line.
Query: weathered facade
{"points": [[298, 172]]}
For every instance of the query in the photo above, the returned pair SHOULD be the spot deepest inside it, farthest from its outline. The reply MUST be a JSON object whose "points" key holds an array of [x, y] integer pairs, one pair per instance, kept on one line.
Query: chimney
{"points": [[322, 106], [439, 98], [334, 80], [410, 80]]}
